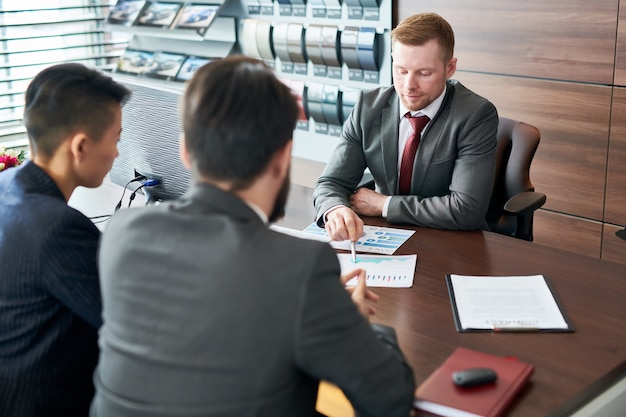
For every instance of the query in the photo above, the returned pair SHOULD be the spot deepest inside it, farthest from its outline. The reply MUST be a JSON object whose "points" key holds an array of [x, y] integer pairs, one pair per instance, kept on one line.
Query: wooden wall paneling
{"points": [[620, 49], [613, 248], [570, 164], [615, 204], [554, 65], [565, 40], [568, 233]]}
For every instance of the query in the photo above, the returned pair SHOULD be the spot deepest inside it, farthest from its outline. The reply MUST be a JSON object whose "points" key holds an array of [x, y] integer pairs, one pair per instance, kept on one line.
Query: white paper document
{"points": [[300, 233], [505, 303], [381, 271]]}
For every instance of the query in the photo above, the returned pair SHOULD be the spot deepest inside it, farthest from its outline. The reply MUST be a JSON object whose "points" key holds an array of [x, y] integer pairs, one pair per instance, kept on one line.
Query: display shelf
{"points": [[222, 29], [273, 37], [156, 84], [216, 38], [217, 46], [323, 86], [321, 11]]}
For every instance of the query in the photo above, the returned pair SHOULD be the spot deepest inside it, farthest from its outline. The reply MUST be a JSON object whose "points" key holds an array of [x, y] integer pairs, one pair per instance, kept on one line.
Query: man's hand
{"points": [[361, 296], [367, 202], [343, 223]]}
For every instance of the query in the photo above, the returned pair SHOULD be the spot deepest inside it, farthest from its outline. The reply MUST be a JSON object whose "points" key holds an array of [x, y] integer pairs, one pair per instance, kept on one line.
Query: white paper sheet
{"points": [[506, 303], [300, 233], [381, 271]]}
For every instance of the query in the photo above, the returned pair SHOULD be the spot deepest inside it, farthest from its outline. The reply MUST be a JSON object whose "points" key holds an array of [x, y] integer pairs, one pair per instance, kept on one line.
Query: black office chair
{"points": [[514, 199]]}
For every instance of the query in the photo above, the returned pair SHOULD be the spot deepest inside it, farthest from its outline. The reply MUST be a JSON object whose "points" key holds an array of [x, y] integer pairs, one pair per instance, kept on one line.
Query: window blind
{"points": [[35, 34]]}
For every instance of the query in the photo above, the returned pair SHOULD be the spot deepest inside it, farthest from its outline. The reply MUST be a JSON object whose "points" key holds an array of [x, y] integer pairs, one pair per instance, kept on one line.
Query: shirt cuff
{"points": [[386, 206]]}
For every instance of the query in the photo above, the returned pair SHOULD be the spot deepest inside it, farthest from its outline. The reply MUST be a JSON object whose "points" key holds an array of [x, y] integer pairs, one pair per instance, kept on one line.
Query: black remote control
{"points": [[474, 376]]}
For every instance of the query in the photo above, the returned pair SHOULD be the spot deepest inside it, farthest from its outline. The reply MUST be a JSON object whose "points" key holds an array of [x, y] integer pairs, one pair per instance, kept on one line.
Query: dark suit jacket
{"points": [[49, 299], [454, 167], [208, 312]]}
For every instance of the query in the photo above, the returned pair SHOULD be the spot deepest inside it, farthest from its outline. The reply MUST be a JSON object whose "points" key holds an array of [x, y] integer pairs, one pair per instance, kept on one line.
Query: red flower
{"points": [[9, 159]]}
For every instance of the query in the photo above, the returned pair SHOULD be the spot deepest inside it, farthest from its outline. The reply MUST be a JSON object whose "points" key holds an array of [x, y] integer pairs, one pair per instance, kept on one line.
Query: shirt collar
{"points": [[258, 211], [430, 110]]}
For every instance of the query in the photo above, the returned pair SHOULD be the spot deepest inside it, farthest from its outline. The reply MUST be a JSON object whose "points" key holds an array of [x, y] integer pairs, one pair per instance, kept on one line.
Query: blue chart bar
{"points": [[398, 235], [377, 244]]}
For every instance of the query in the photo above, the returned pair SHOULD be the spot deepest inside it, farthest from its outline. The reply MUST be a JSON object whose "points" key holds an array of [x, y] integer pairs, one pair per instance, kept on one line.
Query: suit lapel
{"points": [[389, 142]]}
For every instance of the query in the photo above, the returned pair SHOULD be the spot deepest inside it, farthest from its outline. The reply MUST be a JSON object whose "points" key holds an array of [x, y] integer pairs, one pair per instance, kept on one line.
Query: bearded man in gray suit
{"points": [[206, 310], [449, 179]]}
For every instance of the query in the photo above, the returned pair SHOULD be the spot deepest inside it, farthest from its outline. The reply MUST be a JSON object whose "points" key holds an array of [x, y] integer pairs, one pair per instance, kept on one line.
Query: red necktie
{"points": [[410, 149]]}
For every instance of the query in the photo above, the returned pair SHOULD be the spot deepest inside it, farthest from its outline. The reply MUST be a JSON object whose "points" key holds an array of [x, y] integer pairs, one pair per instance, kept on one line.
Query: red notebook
{"points": [[438, 394]]}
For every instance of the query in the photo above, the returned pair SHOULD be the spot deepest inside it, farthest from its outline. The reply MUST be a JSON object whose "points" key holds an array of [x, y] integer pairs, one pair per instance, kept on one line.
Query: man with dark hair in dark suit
{"points": [[49, 290], [209, 312]]}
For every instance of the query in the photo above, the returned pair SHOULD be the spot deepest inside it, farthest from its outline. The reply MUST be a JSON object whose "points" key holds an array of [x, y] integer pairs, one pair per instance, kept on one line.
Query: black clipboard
{"points": [[461, 329]]}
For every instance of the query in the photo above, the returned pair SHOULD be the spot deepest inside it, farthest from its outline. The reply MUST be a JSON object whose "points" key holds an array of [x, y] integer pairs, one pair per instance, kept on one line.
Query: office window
{"points": [[35, 34]]}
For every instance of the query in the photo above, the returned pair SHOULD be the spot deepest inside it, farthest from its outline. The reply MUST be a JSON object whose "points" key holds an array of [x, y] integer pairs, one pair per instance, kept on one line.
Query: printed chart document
{"points": [[300, 233], [505, 303], [375, 239], [381, 271]]}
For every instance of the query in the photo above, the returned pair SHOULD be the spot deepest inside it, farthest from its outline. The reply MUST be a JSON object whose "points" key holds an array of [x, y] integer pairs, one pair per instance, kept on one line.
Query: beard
{"points": [[278, 212]]}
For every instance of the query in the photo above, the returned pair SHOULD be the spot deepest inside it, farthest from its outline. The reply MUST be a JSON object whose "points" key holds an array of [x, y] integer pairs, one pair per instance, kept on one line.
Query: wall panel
{"points": [[566, 40], [573, 119], [568, 232], [615, 209], [620, 52]]}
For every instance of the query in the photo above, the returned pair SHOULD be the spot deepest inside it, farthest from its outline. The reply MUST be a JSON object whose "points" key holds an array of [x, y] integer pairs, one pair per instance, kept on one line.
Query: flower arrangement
{"points": [[10, 158]]}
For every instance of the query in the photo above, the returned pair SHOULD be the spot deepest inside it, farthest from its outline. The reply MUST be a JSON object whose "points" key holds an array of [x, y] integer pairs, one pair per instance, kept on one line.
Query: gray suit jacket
{"points": [[208, 312], [454, 167]]}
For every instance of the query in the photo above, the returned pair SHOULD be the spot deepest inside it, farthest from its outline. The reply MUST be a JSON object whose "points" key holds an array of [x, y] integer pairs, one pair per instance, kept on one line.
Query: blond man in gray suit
{"points": [[450, 177]]}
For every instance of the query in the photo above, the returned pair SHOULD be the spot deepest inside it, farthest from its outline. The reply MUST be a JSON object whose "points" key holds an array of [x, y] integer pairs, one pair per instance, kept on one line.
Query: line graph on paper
{"points": [[381, 271]]}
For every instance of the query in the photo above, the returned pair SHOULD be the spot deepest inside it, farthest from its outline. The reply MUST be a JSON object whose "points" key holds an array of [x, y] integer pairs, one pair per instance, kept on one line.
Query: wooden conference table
{"points": [[592, 292]]}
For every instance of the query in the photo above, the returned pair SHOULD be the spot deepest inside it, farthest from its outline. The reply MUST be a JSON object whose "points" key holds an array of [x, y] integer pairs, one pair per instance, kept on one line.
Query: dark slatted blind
{"points": [[35, 34]]}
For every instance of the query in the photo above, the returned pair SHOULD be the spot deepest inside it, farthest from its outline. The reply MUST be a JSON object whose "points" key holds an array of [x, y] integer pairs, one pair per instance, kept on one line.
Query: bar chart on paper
{"points": [[381, 271], [375, 239]]}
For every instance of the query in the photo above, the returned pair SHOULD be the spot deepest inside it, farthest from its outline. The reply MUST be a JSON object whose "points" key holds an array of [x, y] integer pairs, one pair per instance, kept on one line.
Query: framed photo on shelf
{"points": [[158, 14], [135, 62], [196, 16], [125, 12], [190, 66], [165, 65]]}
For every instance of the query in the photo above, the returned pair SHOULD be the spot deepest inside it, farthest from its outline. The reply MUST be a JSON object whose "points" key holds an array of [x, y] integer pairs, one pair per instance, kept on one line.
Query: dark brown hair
{"points": [[236, 115], [68, 98]]}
